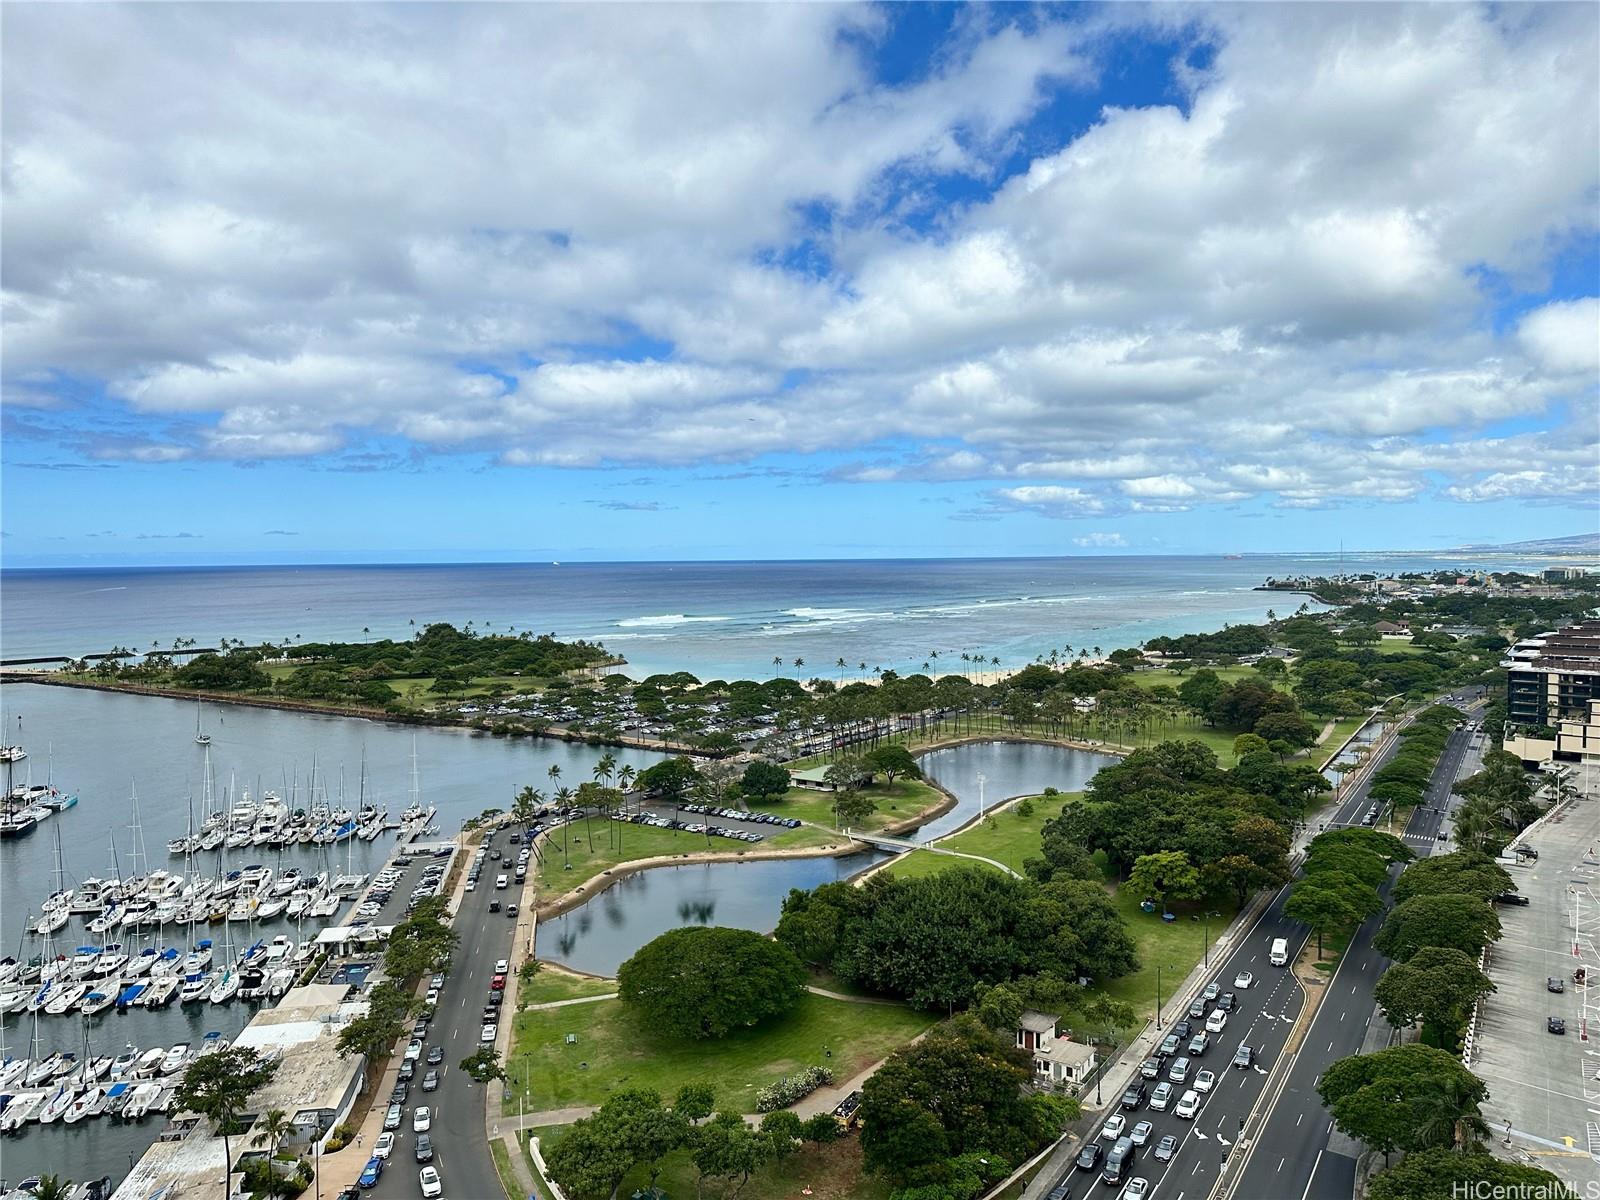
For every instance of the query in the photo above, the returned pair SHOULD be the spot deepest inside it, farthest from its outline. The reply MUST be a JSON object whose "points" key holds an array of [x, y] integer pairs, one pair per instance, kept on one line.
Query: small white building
{"points": [[1058, 1061]]}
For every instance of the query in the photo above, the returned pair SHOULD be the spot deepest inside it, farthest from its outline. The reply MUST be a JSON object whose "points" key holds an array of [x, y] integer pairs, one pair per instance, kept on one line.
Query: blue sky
{"points": [[790, 281]]}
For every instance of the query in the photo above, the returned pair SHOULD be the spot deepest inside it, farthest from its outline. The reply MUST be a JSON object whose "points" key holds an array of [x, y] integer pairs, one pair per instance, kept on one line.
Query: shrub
{"points": [[792, 1088]]}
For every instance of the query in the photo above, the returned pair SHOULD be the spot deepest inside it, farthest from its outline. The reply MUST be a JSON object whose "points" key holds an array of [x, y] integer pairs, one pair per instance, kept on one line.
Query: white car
{"points": [[488, 1035], [1217, 1021], [1188, 1107], [432, 999], [384, 1146], [1138, 1188], [472, 885], [428, 1177], [501, 966], [414, 1051], [1204, 1080], [421, 1119], [1113, 1128], [1243, 980]]}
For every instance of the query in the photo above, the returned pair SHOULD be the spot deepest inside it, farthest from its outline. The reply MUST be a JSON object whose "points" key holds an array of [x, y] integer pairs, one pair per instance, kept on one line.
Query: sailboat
{"points": [[200, 735]]}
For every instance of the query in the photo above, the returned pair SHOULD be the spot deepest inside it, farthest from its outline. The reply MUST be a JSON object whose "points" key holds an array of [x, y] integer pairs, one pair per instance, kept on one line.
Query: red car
{"points": [[498, 983]]}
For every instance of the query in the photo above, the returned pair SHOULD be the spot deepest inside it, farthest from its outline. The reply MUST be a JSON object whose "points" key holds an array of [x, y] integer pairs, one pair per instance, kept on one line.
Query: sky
{"points": [[353, 282]]}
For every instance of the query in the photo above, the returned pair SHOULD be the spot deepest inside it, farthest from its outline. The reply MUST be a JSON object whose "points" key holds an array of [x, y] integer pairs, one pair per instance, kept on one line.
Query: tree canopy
{"points": [[1408, 1097], [1455, 920], [705, 982]]}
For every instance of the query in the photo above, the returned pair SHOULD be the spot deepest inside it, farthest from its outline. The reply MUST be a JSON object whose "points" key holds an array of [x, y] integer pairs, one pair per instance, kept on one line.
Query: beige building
{"points": [[1058, 1061]]}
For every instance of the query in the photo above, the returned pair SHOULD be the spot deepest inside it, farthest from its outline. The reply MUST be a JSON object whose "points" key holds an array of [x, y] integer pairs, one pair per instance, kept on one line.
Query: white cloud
{"points": [[440, 225], [1565, 336], [1100, 541]]}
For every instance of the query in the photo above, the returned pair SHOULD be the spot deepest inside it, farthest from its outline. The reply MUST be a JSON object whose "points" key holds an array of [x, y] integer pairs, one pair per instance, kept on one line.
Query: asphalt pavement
{"points": [[1290, 1147], [1295, 1152], [461, 1152]]}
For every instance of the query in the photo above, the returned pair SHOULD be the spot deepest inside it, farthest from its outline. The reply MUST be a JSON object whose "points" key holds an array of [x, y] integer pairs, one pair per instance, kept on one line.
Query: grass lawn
{"points": [[643, 841], [503, 1168], [1342, 729], [551, 983], [616, 1050], [1012, 840], [831, 1172], [1174, 946], [897, 801], [1172, 679]]}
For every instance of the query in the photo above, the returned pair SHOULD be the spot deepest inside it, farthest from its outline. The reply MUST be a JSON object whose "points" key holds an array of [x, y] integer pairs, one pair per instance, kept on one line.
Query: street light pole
{"points": [[1158, 995]]}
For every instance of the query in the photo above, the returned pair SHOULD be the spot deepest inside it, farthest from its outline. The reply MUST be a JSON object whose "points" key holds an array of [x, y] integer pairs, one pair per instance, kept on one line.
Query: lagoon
{"points": [[599, 935]]}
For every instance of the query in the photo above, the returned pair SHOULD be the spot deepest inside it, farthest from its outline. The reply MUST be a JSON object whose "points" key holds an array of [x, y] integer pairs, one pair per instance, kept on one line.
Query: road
{"points": [[1264, 1019], [1293, 1158], [461, 1152]]}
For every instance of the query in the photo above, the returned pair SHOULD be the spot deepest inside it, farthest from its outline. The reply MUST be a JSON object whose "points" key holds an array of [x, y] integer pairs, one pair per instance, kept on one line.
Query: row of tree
{"points": [[1340, 881], [1403, 780]]}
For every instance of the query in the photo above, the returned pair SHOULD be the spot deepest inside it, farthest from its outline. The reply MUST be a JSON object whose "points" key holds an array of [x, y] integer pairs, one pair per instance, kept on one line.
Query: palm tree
{"points": [[52, 1187], [840, 664], [272, 1127], [1449, 1114], [625, 778], [798, 663], [554, 773], [564, 799], [777, 664]]}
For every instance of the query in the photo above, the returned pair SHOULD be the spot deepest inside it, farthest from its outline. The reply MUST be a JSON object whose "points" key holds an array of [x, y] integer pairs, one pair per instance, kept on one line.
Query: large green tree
{"points": [[764, 781], [1461, 922], [1462, 873], [1404, 1098], [219, 1086], [1439, 1173], [1162, 876], [630, 1129], [705, 982], [1438, 986], [1330, 903], [726, 1148], [960, 1088]]}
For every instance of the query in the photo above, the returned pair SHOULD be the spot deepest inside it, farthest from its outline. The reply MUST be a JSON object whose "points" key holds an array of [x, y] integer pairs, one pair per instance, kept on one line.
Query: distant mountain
{"points": [[1578, 543]]}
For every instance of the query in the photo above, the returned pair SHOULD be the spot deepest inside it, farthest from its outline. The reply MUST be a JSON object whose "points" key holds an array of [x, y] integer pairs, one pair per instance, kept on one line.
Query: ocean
{"points": [[718, 620]]}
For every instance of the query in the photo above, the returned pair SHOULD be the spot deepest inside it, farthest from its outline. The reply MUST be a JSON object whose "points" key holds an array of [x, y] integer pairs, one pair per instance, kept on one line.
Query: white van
{"points": [[500, 881], [1280, 952]]}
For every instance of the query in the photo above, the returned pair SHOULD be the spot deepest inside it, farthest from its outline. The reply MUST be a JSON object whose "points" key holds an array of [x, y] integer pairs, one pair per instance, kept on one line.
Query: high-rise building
{"points": [[1554, 676]]}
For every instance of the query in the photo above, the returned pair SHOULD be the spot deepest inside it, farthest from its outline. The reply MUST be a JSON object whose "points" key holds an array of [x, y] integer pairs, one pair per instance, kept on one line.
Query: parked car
{"points": [[398, 1093], [1112, 1129], [384, 1146], [392, 1118], [1134, 1098], [371, 1172], [1511, 898], [414, 1050], [487, 1036], [1555, 984], [435, 1055], [408, 1068]]}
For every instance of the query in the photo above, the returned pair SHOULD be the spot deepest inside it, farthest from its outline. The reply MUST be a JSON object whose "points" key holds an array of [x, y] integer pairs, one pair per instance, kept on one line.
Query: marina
{"points": [[144, 749]]}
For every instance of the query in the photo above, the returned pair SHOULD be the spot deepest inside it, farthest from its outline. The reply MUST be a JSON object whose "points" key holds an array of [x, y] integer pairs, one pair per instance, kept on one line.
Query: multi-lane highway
{"points": [[461, 1152], [1264, 1018], [1290, 1157]]}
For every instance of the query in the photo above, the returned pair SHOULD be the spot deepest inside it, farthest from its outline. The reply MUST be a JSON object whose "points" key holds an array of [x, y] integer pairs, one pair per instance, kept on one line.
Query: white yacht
{"points": [[175, 1059]]}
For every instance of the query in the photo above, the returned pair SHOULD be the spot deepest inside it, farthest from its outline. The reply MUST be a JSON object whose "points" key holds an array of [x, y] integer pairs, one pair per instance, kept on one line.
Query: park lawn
{"points": [[1012, 840], [616, 1049], [589, 859], [551, 983], [896, 802], [1174, 946], [831, 1172], [1342, 729], [1172, 679]]}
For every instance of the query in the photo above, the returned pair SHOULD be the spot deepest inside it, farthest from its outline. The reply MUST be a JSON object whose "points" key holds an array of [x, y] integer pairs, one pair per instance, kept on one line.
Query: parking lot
{"points": [[1547, 1085]]}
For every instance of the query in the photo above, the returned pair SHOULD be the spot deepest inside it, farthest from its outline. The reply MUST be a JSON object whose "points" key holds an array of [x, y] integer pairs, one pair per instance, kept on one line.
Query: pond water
{"points": [[602, 933], [1352, 753], [102, 743]]}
